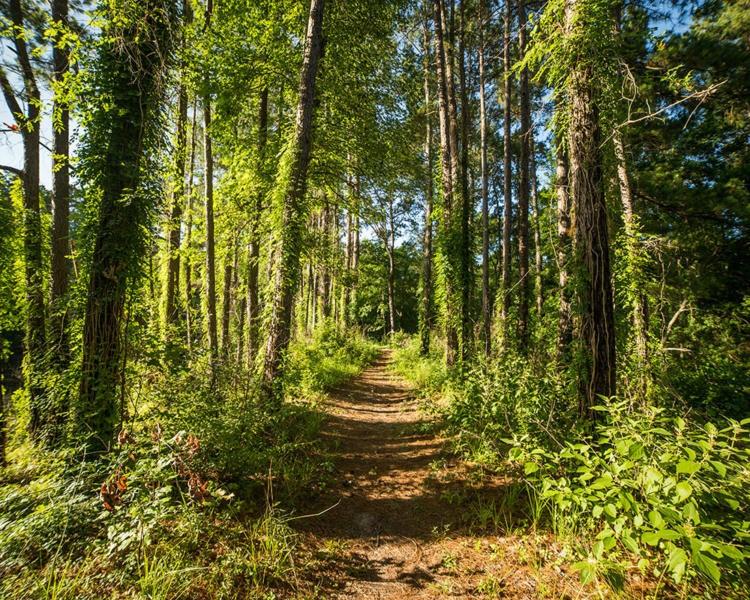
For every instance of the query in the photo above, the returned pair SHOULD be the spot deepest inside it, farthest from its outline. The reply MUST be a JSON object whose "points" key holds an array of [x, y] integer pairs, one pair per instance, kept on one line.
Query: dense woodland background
{"points": [[541, 206]]}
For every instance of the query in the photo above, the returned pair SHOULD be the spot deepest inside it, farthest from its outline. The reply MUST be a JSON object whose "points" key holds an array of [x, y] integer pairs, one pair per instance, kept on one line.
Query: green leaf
{"points": [[683, 490], [720, 468], [688, 467], [587, 571], [630, 543], [530, 467], [655, 518], [651, 538], [610, 510], [677, 563], [636, 451], [707, 566]]}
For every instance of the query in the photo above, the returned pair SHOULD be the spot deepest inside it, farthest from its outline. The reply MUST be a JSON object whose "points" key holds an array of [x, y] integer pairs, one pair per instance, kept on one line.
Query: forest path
{"points": [[402, 506]]}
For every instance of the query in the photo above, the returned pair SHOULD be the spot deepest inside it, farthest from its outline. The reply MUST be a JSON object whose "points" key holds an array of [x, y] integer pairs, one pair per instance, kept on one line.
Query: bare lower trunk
{"points": [[292, 210]]}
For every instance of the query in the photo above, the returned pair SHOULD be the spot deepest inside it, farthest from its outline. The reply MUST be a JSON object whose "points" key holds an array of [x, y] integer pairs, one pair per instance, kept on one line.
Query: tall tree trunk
{"points": [[523, 189], [226, 304], [539, 292], [253, 261], [486, 308], [467, 208], [118, 247], [449, 179], [634, 257], [507, 174], [61, 266], [565, 325], [28, 123], [294, 182], [189, 295], [213, 344], [595, 323], [175, 218], [425, 313], [390, 247], [325, 279]]}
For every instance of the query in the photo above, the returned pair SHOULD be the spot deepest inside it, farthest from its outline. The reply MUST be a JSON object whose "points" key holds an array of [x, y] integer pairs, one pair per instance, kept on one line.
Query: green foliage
{"points": [[325, 360], [648, 486]]}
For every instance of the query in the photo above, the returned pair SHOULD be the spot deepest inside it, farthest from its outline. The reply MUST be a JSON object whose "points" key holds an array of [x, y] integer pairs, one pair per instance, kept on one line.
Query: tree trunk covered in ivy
{"points": [[292, 186], [595, 331], [449, 179], [130, 70]]}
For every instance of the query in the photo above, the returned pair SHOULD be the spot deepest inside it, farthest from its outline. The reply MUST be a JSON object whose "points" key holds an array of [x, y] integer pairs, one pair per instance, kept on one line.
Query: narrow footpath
{"points": [[405, 519]]}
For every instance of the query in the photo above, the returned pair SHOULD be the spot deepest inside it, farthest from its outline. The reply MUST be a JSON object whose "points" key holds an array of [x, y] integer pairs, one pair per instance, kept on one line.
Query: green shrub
{"points": [[675, 495]]}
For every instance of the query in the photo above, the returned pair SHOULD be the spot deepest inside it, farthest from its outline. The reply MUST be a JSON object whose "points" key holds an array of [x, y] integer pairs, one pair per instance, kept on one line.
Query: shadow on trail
{"points": [[394, 490]]}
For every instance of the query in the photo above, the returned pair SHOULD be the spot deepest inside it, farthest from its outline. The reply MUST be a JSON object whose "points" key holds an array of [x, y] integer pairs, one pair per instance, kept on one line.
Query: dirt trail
{"points": [[402, 507]]}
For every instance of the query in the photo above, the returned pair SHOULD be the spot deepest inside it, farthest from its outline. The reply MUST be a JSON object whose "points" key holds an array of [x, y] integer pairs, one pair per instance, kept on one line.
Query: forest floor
{"points": [[406, 518]]}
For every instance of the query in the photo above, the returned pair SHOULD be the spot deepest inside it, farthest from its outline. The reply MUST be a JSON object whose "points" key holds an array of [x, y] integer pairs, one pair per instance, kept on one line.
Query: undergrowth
{"points": [[649, 489], [195, 499]]}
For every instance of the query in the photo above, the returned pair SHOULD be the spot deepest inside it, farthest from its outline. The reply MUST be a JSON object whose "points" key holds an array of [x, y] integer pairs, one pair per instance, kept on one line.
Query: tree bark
{"points": [[486, 308], [28, 124], [425, 314], [189, 295], [171, 312], [253, 263], [118, 249], [565, 326], [523, 189], [539, 291], [634, 258], [61, 266], [213, 344], [390, 247], [449, 178], [595, 324], [466, 200], [294, 184], [507, 175], [226, 304]]}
